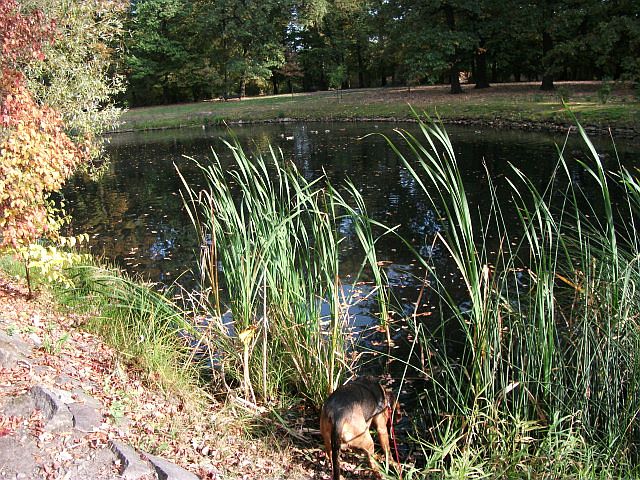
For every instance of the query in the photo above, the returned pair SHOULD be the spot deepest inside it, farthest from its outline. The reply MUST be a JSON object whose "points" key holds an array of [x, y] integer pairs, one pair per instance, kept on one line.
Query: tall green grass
{"points": [[271, 238], [152, 334], [544, 379]]}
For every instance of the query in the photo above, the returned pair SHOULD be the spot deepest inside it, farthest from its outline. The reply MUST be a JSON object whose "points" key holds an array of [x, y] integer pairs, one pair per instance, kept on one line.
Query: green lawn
{"points": [[516, 103]]}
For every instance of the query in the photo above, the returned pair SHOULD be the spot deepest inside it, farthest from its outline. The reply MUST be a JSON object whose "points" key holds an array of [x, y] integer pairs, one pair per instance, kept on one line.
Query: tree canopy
{"points": [[190, 50]]}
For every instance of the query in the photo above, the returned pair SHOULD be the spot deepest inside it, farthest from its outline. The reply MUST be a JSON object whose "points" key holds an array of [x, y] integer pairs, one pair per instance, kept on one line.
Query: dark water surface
{"points": [[134, 214]]}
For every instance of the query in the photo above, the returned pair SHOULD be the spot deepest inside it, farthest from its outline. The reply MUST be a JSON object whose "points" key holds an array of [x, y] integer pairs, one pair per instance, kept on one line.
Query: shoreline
{"points": [[533, 126], [512, 106]]}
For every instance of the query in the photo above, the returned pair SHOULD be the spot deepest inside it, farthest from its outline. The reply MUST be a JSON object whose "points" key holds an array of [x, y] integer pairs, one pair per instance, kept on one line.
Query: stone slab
{"points": [[20, 406], [12, 350], [169, 471], [85, 417], [54, 410], [133, 467]]}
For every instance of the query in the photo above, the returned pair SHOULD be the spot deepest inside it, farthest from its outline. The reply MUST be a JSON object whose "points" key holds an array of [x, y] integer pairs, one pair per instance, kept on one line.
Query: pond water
{"points": [[135, 217]]}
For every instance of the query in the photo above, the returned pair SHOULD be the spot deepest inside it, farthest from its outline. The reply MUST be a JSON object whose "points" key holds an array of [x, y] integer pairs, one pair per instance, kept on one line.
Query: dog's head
{"points": [[392, 410]]}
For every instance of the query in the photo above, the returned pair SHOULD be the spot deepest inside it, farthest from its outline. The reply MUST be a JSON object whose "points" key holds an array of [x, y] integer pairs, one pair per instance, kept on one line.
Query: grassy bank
{"points": [[129, 315], [519, 105], [112, 338]]}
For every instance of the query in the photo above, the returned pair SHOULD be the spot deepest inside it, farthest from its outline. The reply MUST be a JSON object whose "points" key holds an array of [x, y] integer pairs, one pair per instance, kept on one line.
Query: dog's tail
{"points": [[335, 451]]}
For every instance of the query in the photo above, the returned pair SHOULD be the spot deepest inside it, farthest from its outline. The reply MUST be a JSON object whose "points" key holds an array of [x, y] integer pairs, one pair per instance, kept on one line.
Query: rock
{"points": [[133, 467], [36, 340], [20, 406], [59, 409], [169, 471], [85, 411], [85, 417], [97, 465], [64, 379], [12, 350], [17, 457], [54, 410]]}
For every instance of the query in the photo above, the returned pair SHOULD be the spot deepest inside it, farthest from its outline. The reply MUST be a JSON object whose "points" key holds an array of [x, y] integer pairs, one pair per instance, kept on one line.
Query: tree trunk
{"points": [[454, 75], [454, 78], [481, 66], [547, 76], [360, 66], [165, 90], [28, 277], [547, 46]]}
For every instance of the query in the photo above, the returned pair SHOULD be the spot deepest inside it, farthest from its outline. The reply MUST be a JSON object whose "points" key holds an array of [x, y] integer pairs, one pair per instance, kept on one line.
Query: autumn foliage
{"points": [[36, 155]]}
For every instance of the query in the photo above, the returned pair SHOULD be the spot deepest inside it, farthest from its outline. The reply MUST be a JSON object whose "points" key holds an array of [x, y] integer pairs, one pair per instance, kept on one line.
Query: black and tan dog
{"points": [[348, 414]]}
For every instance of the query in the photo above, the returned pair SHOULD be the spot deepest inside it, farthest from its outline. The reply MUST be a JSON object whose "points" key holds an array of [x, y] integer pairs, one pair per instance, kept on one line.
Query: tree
{"points": [[385, 49], [616, 42], [36, 155], [348, 34], [158, 51], [486, 23], [77, 77], [185, 50], [515, 51], [253, 36], [337, 77], [440, 47], [290, 71]]}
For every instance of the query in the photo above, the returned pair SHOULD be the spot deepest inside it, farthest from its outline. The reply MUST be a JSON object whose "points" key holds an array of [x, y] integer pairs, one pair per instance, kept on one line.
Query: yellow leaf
{"points": [[246, 335]]}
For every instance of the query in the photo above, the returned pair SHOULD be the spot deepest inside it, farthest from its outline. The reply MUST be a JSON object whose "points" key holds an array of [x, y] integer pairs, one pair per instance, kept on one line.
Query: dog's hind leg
{"points": [[369, 448], [325, 430], [364, 442], [380, 423]]}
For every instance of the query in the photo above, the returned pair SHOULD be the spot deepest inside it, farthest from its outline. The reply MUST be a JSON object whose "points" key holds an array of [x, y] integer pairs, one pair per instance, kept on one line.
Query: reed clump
{"points": [[271, 241], [150, 331], [534, 370]]}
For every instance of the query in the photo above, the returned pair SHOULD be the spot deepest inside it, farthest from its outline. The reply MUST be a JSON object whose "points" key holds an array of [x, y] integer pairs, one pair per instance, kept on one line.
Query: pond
{"points": [[135, 217]]}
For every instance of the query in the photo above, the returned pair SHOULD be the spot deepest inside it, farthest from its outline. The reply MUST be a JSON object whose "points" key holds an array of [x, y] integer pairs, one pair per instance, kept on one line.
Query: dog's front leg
{"points": [[380, 423]]}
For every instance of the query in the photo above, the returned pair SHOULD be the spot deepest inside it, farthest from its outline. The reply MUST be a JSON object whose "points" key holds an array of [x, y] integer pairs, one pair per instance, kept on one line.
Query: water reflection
{"points": [[134, 214]]}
